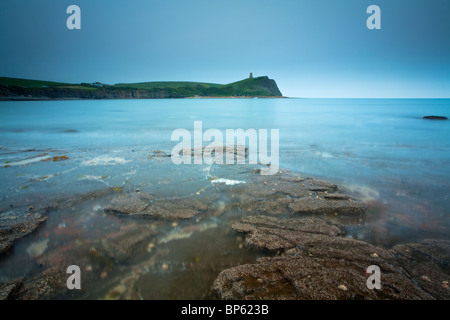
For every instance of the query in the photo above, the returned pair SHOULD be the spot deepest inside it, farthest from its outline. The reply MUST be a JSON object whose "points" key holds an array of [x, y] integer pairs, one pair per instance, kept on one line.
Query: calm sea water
{"points": [[379, 150], [379, 144]]}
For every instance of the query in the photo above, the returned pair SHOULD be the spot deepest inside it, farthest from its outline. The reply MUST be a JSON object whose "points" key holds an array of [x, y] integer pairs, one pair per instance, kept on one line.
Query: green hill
{"points": [[165, 84], [29, 83], [13, 88], [261, 86]]}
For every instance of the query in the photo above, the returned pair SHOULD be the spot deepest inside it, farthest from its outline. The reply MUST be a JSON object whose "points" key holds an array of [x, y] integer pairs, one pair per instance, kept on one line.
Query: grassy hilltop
{"points": [[14, 88]]}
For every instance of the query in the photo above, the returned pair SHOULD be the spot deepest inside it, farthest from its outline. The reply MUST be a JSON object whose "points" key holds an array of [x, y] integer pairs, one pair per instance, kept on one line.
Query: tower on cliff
{"points": [[251, 75]]}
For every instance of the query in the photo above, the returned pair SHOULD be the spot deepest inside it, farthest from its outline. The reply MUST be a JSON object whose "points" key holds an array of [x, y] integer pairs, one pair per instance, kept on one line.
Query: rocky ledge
{"points": [[299, 224], [289, 194], [435, 118], [16, 223], [145, 206], [313, 261]]}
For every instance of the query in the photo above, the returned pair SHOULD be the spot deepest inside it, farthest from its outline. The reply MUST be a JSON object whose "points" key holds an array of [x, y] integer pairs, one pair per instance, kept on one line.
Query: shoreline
{"points": [[78, 99]]}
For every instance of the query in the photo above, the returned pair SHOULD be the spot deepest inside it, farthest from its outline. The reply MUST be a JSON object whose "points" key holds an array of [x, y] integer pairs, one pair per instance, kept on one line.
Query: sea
{"points": [[380, 151]]}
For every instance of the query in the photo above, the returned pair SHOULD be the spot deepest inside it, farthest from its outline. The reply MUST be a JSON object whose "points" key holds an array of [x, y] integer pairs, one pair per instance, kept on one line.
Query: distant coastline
{"points": [[14, 89], [21, 98]]}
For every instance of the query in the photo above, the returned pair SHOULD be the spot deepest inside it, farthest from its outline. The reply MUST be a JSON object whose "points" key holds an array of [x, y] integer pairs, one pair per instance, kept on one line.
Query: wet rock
{"points": [[318, 263], [176, 209], [340, 206], [127, 204], [435, 118], [17, 223], [277, 206], [49, 284], [5, 245], [319, 185], [301, 276], [172, 209], [240, 151], [158, 154], [9, 290], [335, 196], [120, 246], [263, 186], [289, 193], [428, 264], [274, 234], [60, 158]]}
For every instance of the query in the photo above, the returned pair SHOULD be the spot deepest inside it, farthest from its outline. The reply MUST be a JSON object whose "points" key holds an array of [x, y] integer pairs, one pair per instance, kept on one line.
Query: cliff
{"points": [[22, 89]]}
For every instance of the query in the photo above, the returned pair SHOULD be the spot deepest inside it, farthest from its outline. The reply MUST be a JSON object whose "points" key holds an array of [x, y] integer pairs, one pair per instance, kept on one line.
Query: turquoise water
{"points": [[381, 150]]}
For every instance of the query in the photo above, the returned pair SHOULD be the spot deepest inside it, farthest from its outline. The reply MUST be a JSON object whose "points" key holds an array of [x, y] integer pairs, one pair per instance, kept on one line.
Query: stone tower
{"points": [[251, 75]]}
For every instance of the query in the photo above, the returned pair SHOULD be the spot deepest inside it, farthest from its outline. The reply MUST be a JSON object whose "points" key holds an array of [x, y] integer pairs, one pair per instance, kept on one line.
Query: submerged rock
{"points": [[273, 233], [425, 262], [5, 245], [158, 154], [49, 284], [344, 206], [186, 232], [17, 223], [37, 248], [120, 246], [232, 151], [277, 195], [289, 194], [172, 209], [9, 290], [127, 204]]}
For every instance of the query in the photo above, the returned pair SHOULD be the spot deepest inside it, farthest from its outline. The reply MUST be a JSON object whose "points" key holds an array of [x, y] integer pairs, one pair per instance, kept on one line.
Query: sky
{"points": [[312, 48]]}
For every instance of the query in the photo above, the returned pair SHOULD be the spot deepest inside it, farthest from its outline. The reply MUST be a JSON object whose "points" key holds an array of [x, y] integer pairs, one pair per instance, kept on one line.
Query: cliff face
{"points": [[257, 87], [267, 85], [65, 93]]}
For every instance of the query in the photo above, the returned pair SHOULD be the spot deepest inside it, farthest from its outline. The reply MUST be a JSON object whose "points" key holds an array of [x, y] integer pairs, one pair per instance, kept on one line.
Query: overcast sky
{"points": [[312, 48]]}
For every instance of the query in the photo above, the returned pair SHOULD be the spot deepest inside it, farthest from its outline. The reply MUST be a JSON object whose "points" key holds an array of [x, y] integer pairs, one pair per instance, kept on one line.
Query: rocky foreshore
{"points": [[17, 223], [298, 225], [315, 262]]}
